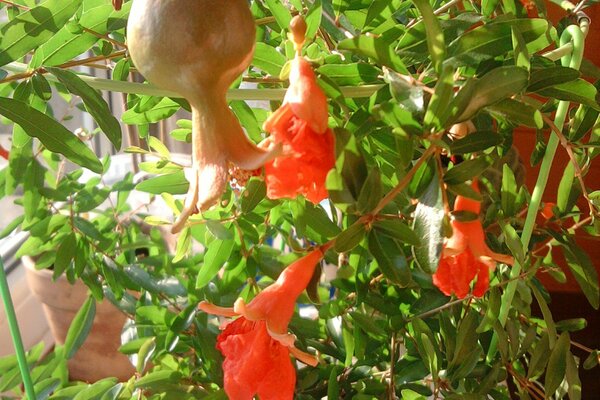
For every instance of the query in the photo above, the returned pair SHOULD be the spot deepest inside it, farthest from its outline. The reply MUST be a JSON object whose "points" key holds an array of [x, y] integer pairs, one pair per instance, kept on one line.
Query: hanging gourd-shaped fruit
{"points": [[197, 48]]}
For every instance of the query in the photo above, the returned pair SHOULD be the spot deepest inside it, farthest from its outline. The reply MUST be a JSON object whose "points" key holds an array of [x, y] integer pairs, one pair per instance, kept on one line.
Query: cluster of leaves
{"points": [[383, 329]]}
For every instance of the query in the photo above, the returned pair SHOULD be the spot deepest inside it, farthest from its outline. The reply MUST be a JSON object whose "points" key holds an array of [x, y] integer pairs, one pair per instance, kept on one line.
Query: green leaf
{"points": [[509, 191], [398, 230], [466, 170], [379, 49], [555, 372], [592, 360], [350, 74], [498, 84], [65, 254], [428, 225], [390, 259], [579, 91], [371, 192], [492, 311], [435, 35], [333, 387], [313, 19], [350, 238], [475, 142], [80, 327], [94, 103], [572, 378], [163, 110], [439, 110], [520, 49], [282, 15], [368, 324], [184, 244], [495, 39], [67, 44], [217, 254], [518, 112], [539, 357], [156, 378], [268, 59], [584, 272], [254, 193], [96, 390], [32, 28], [547, 77], [169, 183], [54, 136]]}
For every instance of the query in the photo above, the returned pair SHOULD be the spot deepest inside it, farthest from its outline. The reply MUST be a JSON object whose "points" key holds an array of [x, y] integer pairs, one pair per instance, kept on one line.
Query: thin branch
{"points": [[578, 173]]}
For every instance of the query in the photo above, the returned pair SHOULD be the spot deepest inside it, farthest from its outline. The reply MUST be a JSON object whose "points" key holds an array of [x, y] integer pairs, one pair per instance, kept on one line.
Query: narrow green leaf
{"points": [[572, 377], [439, 110], [282, 15], [435, 35], [80, 327], [313, 19], [254, 193], [378, 49], [428, 225], [169, 183], [578, 91], [32, 28], [557, 364], [520, 49], [163, 110], [466, 170], [64, 254], [509, 191], [371, 192], [547, 77], [539, 357], [268, 59], [350, 238], [498, 84], [54, 136], [217, 254], [518, 112], [94, 103], [398, 230], [475, 142], [495, 39], [157, 378], [390, 259], [584, 272]]}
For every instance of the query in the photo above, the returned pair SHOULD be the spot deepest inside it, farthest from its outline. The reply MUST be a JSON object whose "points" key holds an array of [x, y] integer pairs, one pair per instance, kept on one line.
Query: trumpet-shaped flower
{"points": [[257, 345], [117, 4], [466, 256], [300, 126], [4, 153]]}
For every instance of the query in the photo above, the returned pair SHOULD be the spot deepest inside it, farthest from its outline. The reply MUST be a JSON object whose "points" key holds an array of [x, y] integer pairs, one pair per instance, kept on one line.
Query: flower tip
{"points": [[117, 4], [298, 29]]}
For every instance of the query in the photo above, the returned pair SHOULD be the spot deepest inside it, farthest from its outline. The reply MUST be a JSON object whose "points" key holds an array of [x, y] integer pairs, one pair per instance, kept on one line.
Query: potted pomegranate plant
{"points": [[352, 221]]}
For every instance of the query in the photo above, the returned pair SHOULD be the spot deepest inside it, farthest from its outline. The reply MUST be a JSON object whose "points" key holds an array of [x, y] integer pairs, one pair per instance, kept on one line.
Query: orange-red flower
{"points": [[117, 4], [547, 211], [466, 256], [300, 125], [257, 345], [4, 153]]}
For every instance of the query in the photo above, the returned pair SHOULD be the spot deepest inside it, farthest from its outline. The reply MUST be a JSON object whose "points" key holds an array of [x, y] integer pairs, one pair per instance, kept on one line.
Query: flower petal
{"points": [[254, 362], [276, 304], [305, 96]]}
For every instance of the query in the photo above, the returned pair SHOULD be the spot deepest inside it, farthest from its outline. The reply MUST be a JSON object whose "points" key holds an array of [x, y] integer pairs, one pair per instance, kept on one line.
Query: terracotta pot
{"points": [[98, 357]]}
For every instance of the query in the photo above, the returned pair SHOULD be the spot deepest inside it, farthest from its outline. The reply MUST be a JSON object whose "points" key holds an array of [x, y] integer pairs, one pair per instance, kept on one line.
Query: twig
{"points": [[578, 173]]}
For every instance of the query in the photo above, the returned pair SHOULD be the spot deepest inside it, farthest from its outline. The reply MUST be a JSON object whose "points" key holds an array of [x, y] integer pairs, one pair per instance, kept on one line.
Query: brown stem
{"points": [[578, 173]]}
